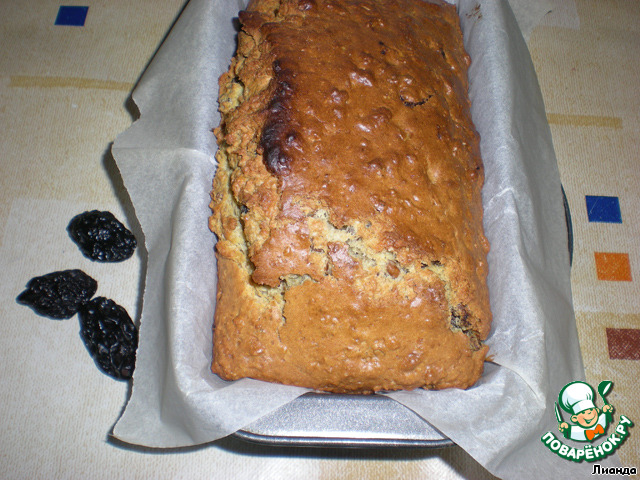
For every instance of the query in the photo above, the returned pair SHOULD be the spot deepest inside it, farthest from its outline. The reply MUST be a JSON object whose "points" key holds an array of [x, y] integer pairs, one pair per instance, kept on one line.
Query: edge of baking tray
{"points": [[342, 420], [323, 442], [355, 421]]}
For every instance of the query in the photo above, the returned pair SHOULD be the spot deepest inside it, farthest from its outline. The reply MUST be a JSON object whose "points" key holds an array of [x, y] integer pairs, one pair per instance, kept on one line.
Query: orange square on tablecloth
{"points": [[613, 266]]}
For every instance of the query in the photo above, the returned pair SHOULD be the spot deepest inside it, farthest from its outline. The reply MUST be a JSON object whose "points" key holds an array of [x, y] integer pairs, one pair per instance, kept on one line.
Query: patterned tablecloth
{"points": [[66, 73]]}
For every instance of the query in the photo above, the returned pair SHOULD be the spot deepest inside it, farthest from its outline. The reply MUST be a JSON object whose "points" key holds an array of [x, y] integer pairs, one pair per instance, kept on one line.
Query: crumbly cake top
{"points": [[368, 174], [377, 135]]}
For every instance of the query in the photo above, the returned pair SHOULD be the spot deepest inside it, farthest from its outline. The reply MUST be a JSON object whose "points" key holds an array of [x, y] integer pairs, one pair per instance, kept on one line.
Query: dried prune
{"points": [[58, 295], [101, 236], [110, 337]]}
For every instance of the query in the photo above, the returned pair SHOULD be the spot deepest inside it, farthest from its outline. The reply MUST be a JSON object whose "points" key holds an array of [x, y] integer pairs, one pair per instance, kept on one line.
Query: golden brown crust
{"points": [[351, 256]]}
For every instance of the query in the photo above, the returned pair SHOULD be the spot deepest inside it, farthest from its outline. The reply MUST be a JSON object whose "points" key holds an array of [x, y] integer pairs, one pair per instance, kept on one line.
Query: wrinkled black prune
{"points": [[101, 236], [110, 337], [58, 295]]}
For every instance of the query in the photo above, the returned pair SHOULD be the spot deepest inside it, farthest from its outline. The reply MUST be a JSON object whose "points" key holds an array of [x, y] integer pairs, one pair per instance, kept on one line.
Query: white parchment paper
{"points": [[166, 159]]}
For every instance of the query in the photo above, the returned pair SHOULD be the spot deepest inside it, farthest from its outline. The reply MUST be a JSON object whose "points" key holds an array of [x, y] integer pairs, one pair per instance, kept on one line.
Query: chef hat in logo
{"points": [[577, 397]]}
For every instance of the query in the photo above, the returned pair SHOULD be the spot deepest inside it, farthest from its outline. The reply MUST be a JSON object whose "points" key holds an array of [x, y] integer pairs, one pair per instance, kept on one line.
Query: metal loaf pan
{"points": [[336, 420]]}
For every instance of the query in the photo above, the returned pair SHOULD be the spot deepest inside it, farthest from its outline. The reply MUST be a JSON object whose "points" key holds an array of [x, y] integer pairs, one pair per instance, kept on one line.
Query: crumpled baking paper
{"points": [[166, 159]]}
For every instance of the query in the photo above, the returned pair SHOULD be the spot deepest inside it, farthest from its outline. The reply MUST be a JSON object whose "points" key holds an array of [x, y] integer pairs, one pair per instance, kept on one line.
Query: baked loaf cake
{"points": [[351, 255]]}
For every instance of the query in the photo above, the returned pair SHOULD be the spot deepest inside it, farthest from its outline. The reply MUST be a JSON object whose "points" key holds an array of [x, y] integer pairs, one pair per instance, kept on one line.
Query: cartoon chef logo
{"points": [[589, 422]]}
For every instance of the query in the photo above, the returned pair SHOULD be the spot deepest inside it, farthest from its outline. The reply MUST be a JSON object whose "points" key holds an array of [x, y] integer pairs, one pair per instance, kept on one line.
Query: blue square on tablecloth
{"points": [[603, 209], [71, 16]]}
